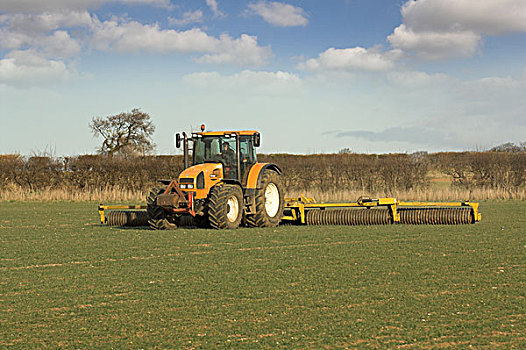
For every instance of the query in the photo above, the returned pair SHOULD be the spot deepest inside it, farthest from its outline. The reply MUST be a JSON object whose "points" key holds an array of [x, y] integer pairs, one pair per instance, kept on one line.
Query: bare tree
{"points": [[124, 134], [510, 147]]}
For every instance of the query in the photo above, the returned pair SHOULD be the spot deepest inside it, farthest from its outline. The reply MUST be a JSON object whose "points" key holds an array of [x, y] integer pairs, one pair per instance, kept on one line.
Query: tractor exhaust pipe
{"points": [[177, 144], [238, 153], [185, 150]]}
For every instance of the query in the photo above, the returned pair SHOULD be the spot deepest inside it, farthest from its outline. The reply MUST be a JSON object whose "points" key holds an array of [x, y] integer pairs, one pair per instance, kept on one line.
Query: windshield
{"points": [[215, 149]]}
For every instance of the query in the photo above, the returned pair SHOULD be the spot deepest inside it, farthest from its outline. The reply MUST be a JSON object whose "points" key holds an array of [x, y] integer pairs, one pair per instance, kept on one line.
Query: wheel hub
{"points": [[232, 209], [271, 199]]}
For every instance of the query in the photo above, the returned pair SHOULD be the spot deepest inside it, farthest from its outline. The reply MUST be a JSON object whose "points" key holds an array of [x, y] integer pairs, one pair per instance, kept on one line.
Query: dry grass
{"points": [[118, 194], [115, 194]]}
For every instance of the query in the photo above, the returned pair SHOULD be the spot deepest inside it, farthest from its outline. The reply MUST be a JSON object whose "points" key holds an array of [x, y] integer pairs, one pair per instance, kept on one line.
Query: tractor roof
{"points": [[228, 132]]}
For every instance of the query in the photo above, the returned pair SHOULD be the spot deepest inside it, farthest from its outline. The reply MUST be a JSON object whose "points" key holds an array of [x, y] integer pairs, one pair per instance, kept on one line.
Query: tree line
{"points": [[366, 173]]}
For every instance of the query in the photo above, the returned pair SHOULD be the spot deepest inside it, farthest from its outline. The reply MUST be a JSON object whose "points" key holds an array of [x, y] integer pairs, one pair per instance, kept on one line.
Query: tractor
{"points": [[222, 185]]}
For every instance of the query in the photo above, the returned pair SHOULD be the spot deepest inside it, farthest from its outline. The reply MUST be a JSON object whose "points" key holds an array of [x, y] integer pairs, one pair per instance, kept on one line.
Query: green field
{"points": [[67, 282]]}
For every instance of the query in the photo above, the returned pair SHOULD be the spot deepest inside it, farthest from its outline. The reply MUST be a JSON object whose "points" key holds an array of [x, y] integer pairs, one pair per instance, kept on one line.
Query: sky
{"points": [[312, 76]]}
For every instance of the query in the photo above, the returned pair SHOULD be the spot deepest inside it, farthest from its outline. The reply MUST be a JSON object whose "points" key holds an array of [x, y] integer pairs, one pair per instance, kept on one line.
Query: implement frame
{"points": [[298, 206]]}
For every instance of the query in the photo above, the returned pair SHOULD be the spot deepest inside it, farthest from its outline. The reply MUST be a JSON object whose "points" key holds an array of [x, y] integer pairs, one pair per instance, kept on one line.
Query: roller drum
{"points": [[186, 221], [127, 218], [348, 217], [435, 216]]}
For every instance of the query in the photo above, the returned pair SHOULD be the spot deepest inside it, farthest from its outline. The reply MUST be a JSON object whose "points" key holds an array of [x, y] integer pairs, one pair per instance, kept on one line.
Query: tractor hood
{"points": [[206, 168], [201, 178]]}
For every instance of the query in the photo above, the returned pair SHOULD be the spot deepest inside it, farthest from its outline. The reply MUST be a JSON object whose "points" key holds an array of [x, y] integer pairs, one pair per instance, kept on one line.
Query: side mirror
{"points": [[257, 139], [177, 140]]}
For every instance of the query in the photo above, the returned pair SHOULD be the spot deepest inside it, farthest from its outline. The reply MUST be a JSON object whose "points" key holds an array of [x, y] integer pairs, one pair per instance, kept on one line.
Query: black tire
{"points": [[201, 221], [184, 221], [267, 216], [222, 213], [157, 218]]}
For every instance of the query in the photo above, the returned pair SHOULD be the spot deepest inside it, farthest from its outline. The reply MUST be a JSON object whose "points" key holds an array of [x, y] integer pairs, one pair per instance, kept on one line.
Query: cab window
{"points": [[248, 155]]}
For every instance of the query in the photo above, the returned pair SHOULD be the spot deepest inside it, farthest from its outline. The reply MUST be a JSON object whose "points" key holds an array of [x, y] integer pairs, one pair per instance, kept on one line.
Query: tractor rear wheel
{"points": [[225, 206], [157, 217], [269, 202]]}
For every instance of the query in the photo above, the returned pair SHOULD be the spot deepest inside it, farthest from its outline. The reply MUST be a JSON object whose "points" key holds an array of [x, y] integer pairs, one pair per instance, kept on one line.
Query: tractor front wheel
{"points": [[225, 207]]}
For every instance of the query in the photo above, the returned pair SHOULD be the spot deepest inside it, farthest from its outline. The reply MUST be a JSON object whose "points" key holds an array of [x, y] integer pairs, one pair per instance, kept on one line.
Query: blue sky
{"points": [[313, 76]]}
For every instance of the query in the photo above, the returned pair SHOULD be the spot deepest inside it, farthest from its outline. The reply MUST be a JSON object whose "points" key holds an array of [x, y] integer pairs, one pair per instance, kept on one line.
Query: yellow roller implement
{"points": [[367, 211], [305, 210]]}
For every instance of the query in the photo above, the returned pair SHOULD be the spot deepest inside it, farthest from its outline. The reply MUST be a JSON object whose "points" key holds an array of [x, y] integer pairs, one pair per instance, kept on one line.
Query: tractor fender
{"points": [[254, 175]]}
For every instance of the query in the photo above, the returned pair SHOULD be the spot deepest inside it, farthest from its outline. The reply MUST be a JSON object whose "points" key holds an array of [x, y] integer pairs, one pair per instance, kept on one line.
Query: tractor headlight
{"points": [[215, 174], [186, 183]]}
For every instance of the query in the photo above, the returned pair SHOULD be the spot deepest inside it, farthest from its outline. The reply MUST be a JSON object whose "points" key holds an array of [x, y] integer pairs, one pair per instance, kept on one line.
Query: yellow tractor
{"points": [[222, 185]]}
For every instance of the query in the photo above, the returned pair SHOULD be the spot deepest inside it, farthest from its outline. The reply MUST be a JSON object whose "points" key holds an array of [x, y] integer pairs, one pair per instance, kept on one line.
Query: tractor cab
{"points": [[235, 151], [223, 148]]}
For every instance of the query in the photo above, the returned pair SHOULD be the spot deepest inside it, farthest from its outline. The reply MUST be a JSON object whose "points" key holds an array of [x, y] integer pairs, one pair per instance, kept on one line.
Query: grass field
{"points": [[67, 282]]}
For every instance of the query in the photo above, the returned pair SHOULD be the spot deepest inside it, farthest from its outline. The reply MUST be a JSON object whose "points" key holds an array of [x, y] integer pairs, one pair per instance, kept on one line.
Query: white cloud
{"points": [[439, 29], [35, 6], [353, 59], [38, 45], [116, 35], [59, 44], [435, 45], [12, 40], [213, 6], [498, 83], [188, 18], [46, 21], [243, 51], [279, 14], [45, 32], [50, 34], [481, 16], [273, 83], [417, 80], [28, 68]]}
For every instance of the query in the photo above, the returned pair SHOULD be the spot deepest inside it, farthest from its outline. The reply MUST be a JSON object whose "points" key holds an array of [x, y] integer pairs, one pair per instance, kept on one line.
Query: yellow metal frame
{"points": [[102, 208], [298, 206]]}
